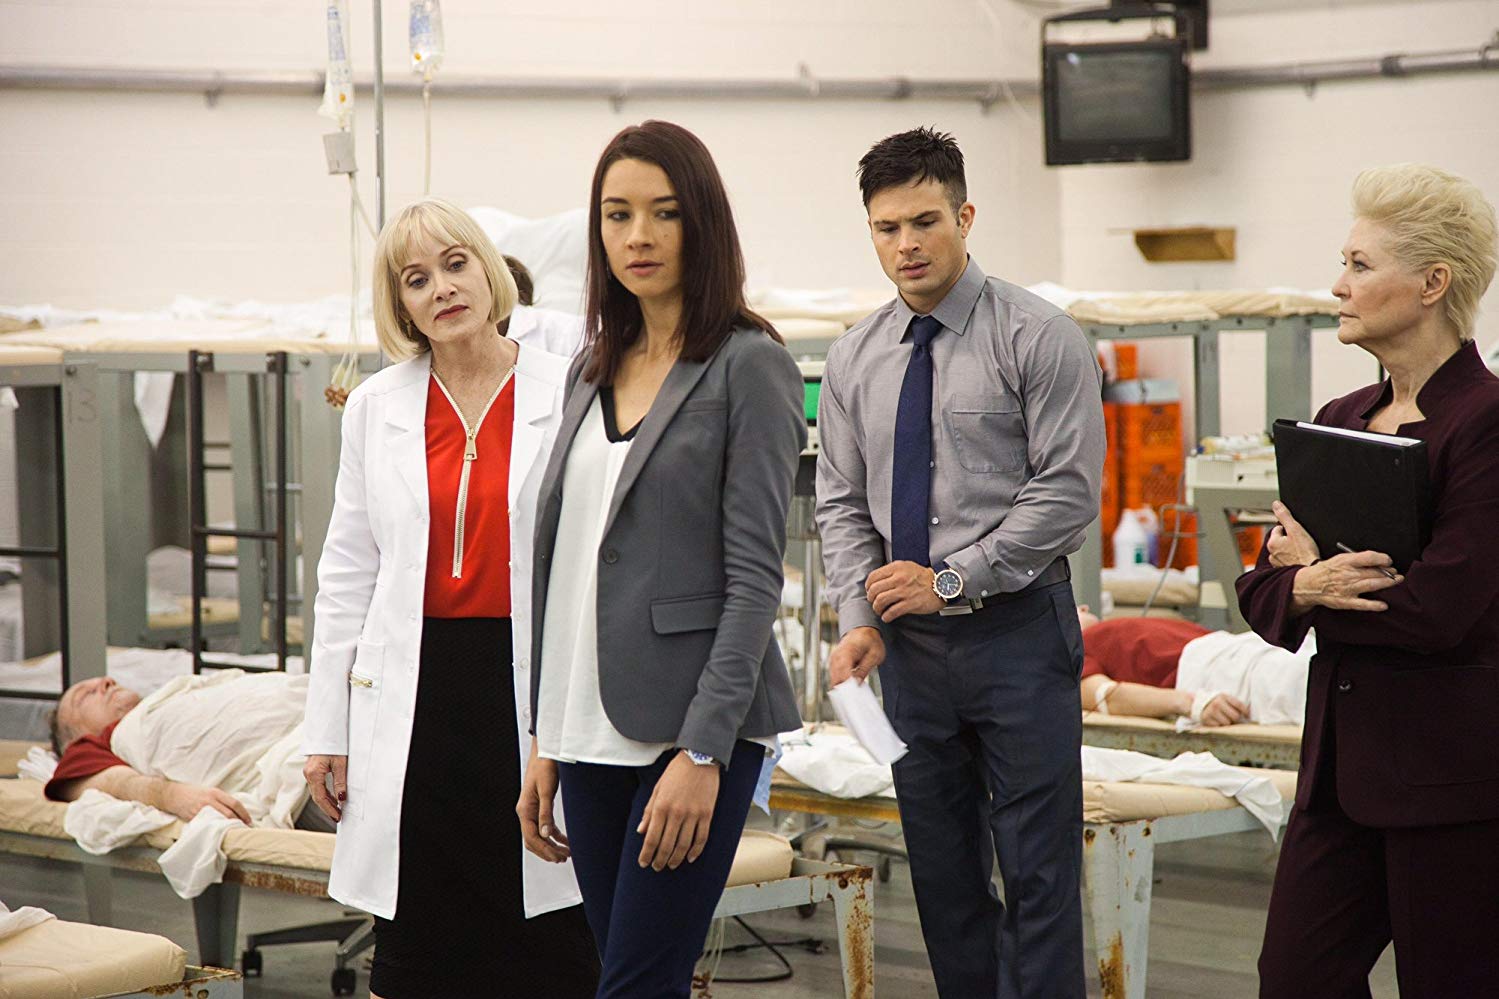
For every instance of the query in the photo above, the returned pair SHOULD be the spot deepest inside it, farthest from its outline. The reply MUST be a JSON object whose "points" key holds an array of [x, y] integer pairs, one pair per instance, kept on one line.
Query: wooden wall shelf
{"points": [[1190, 243]]}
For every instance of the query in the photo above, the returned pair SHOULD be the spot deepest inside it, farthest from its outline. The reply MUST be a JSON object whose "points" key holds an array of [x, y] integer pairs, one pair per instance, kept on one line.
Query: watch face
{"points": [[949, 584]]}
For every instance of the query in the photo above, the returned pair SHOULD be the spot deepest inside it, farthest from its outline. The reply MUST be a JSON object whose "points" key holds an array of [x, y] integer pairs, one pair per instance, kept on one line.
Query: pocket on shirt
{"points": [[988, 434], [1444, 724]]}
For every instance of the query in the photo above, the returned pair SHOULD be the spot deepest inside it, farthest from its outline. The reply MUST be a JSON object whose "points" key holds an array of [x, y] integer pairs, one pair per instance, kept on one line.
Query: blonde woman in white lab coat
{"points": [[418, 705]]}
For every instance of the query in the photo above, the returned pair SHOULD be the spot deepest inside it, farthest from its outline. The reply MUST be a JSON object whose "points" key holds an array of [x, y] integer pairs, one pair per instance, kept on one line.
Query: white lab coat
{"points": [[368, 615]]}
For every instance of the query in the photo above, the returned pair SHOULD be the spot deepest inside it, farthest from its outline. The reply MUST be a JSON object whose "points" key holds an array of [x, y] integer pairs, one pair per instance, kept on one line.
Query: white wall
{"points": [[1277, 164], [126, 199]]}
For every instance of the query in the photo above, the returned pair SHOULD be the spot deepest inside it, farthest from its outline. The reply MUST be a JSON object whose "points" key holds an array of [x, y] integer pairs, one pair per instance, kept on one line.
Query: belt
{"points": [[1057, 572]]}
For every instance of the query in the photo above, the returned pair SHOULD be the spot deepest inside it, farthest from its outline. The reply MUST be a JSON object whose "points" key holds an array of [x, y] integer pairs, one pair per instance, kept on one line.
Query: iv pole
{"points": [[379, 124]]}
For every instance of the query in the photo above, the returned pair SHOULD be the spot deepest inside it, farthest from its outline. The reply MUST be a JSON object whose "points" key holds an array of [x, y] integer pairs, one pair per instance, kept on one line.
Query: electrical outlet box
{"points": [[339, 147]]}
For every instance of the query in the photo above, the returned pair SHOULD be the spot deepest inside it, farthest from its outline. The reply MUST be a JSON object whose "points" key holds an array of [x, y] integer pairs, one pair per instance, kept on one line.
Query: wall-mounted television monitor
{"points": [[1116, 102]]}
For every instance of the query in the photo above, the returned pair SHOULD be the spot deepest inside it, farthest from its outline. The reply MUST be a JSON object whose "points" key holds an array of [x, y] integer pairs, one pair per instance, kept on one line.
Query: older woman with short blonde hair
{"points": [[419, 660], [1392, 837]]}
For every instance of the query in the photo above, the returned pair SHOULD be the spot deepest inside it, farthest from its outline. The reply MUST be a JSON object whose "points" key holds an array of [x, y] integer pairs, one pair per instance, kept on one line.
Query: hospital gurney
{"points": [[243, 350], [765, 876], [1122, 824], [1275, 746], [63, 960]]}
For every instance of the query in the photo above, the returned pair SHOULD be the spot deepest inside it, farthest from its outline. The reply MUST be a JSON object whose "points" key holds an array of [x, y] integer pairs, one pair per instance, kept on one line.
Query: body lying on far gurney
{"points": [[208, 741], [1164, 667]]}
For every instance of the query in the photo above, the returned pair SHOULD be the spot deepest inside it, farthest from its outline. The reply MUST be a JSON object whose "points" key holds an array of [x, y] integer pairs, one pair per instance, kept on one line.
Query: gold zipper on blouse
{"points": [[470, 455]]}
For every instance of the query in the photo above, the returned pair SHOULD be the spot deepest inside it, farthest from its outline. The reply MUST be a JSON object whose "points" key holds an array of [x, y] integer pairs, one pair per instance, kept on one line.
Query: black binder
{"points": [[1368, 491]]}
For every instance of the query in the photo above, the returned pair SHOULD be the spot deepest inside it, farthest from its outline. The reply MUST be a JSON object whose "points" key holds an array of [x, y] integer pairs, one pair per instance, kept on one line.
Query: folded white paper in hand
{"points": [[861, 714]]}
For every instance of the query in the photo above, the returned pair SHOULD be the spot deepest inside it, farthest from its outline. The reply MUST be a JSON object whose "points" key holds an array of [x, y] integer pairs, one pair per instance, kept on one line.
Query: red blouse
{"points": [[468, 548]]}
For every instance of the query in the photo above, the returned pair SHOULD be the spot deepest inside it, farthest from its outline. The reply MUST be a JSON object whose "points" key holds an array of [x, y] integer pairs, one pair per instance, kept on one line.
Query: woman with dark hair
{"points": [[655, 686]]}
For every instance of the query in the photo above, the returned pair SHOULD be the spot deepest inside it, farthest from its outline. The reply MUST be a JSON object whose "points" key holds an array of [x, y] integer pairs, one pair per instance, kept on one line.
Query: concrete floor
{"points": [[1206, 921]]}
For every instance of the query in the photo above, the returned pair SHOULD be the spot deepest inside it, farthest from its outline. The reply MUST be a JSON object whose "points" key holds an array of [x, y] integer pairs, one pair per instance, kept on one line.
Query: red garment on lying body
{"points": [[83, 757], [1137, 649]]}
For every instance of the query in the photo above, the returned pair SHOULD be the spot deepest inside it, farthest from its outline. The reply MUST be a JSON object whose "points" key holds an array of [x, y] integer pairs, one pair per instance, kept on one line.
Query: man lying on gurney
{"points": [[1163, 668], [215, 740]]}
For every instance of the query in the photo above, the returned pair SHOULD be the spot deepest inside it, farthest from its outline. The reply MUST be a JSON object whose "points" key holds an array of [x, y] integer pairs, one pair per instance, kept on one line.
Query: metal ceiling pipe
{"points": [[985, 92]]}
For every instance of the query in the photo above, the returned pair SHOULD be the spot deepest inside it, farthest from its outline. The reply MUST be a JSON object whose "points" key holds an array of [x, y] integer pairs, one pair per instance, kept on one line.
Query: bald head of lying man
{"points": [[88, 708]]}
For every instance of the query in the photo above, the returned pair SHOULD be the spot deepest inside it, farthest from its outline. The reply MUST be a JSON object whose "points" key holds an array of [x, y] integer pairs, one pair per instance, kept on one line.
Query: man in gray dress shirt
{"points": [[962, 446]]}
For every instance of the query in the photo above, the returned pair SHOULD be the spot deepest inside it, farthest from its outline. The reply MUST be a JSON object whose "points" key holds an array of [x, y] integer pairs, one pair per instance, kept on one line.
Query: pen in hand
{"points": [[1391, 573]]}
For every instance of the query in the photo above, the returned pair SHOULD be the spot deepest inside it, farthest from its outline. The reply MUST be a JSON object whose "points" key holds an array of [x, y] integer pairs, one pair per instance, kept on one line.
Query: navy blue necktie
{"points": [[911, 481]]}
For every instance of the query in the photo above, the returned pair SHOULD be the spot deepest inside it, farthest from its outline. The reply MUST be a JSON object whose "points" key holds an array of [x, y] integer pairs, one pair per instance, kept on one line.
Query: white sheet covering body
{"points": [[1269, 679], [371, 582], [1258, 796], [13, 921]]}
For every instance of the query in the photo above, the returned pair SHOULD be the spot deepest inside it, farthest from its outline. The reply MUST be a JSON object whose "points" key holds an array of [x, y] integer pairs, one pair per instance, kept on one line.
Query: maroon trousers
{"points": [[1343, 891]]}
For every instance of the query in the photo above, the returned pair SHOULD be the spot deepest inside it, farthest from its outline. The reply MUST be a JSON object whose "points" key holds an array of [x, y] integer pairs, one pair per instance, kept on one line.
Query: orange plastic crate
{"points": [[1127, 361], [1151, 433], [1151, 486], [1108, 512], [1251, 538]]}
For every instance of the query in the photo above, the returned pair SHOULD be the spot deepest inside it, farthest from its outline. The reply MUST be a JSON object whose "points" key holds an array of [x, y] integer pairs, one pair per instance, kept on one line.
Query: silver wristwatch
{"points": [[700, 759]]}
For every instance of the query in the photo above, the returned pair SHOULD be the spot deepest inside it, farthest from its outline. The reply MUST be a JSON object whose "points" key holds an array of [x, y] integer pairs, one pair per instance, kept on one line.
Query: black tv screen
{"points": [[1119, 102]]}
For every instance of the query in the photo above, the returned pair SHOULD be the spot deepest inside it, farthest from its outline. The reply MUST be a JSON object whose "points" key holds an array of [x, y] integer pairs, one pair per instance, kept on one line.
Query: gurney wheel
{"points": [[807, 911], [249, 964], [343, 981]]}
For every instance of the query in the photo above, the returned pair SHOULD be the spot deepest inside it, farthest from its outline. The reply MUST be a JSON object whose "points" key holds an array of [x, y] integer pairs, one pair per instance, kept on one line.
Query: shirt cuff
{"points": [[979, 580], [856, 613]]}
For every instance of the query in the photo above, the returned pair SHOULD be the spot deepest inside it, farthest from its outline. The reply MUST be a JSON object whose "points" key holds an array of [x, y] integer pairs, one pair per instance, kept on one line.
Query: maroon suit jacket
{"points": [[1402, 705]]}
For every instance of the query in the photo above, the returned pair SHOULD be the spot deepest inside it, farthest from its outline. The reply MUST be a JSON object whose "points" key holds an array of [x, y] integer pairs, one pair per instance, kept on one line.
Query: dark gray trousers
{"points": [[989, 705]]}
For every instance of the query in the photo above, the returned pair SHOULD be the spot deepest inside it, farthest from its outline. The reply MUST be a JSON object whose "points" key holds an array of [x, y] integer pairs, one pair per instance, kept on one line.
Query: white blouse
{"points": [[571, 725]]}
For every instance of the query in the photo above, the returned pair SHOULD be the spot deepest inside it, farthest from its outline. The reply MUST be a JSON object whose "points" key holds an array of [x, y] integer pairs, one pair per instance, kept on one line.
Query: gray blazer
{"points": [[690, 566]]}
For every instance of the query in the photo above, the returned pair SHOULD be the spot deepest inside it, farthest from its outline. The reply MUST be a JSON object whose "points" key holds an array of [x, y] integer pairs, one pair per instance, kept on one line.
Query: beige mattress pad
{"points": [[15, 355], [24, 809], [1195, 306], [62, 960], [761, 856], [798, 329], [225, 336], [1130, 801], [1133, 590], [1103, 801], [1279, 734]]}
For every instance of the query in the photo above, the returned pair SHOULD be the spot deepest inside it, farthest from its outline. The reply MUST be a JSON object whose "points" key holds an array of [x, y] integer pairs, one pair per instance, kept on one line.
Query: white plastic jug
{"points": [[1131, 542]]}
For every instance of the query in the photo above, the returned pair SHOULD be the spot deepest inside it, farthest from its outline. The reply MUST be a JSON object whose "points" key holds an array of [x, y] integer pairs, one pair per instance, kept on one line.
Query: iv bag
{"points": [[426, 36], [338, 91]]}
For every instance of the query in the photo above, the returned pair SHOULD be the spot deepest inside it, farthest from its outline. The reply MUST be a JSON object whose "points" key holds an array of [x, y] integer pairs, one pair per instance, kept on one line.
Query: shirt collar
{"points": [[1457, 369], [954, 309]]}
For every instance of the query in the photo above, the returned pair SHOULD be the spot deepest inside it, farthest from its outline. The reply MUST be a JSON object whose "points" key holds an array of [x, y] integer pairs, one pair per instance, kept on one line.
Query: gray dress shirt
{"points": [[1017, 441]]}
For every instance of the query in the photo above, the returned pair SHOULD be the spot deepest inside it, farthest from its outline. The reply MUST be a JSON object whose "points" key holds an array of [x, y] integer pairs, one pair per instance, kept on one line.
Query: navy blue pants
{"points": [[988, 704], [649, 925]]}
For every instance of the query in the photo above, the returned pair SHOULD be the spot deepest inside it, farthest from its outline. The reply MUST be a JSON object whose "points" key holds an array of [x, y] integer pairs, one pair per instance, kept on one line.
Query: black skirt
{"points": [[460, 926]]}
